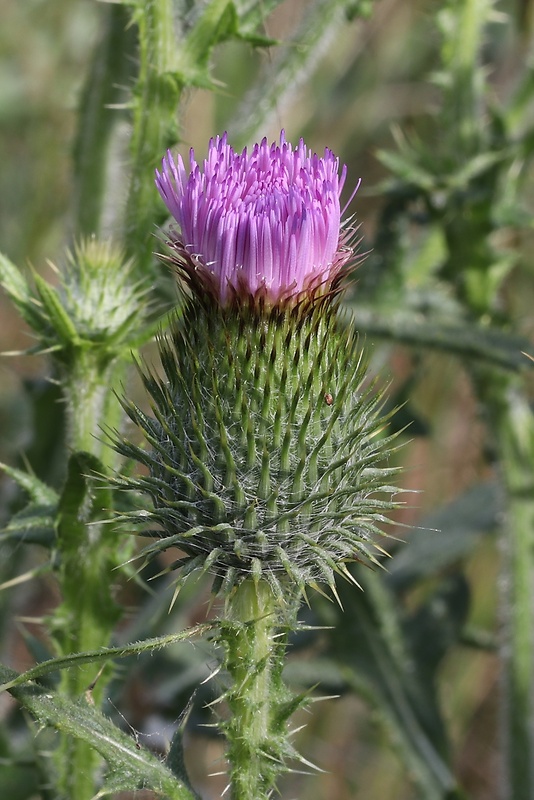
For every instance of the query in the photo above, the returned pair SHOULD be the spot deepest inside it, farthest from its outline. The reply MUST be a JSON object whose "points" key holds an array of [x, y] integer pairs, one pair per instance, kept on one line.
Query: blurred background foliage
{"points": [[431, 104]]}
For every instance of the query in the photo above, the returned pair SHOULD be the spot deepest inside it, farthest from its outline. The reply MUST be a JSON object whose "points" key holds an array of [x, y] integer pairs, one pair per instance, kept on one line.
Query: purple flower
{"points": [[265, 225]]}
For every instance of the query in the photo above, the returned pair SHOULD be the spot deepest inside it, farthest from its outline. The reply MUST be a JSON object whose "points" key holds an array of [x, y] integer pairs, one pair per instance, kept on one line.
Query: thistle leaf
{"points": [[131, 766]]}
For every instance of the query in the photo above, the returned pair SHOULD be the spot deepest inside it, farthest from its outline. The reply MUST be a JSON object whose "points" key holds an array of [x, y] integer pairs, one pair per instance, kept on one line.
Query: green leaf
{"points": [[251, 15], [46, 451], [291, 66], [38, 491], [55, 312], [78, 493], [477, 166], [446, 536], [375, 660], [13, 281], [487, 345], [18, 289], [407, 168], [131, 766], [36, 523], [218, 22], [103, 655], [175, 757], [437, 625]]}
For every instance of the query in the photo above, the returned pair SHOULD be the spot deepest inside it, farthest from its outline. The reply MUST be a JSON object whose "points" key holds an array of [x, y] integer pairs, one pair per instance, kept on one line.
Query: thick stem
{"points": [[155, 104], [88, 551], [92, 406], [87, 395], [109, 71], [515, 430], [254, 656], [461, 55], [86, 619]]}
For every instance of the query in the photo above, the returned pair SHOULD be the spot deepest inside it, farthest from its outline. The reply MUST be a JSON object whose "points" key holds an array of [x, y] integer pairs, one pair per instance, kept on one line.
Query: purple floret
{"points": [[264, 224]]}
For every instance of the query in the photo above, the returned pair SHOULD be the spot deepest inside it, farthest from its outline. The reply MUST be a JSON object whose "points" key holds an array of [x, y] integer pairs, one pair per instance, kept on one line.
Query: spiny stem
{"points": [[461, 56], [109, 70], [88, 550], [87, 390], [254, 654], [155, 103]]}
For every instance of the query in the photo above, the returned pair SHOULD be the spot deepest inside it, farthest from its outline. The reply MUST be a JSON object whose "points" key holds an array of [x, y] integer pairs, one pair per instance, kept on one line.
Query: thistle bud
{"points": [[98, 292], [265, 457]]}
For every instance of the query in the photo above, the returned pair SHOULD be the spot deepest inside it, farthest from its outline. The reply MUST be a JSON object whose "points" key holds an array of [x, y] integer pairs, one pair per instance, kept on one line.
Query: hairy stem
{"points": [[257, 699], [88, 558], [155, 103], [108, 73], [91, 405]]}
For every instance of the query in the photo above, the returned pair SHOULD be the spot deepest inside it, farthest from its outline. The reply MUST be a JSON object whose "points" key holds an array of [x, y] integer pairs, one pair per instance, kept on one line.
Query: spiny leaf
{"points": [[35, 524], [18, 289], [291, 65], [488, 345], [218, 22], [104, 655], [446, 536], [38, 491], [175, 757], [375, 661], [138, 767], [55, 313]]}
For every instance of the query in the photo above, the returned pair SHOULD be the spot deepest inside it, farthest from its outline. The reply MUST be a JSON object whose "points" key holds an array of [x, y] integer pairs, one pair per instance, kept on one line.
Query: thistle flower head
{"points": [[265, 455], [265, 224]]}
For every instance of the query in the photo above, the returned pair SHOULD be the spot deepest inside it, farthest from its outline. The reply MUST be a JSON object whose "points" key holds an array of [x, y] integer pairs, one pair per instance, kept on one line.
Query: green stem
{"points": [[155, 104], [87, 390], [486, 346], [87, 625], [461, 57], [514, 425], [292, 64], [109, 72], [257, 698], [88, 548]]}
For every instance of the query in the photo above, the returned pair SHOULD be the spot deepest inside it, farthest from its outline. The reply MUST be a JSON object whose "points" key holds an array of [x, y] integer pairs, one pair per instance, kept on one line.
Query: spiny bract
{"points": [[266, 456]]}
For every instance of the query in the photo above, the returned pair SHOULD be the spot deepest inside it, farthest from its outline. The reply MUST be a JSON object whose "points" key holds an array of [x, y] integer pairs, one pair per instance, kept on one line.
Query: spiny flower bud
{"points": [[265, 457], [98, 292], [96, 307]]}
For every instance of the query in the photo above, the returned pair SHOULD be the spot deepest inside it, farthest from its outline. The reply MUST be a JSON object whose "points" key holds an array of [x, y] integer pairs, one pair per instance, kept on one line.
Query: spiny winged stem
{"points": [[155, 101], [112, 62], [92, 317], [88, 613], [257, 699], [465, 23], [87, 545], [91, 404]]}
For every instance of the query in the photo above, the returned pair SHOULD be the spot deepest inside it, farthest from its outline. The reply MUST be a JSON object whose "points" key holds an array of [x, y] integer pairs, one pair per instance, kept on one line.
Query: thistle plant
{"points": [[266, 464], [88, 323]]}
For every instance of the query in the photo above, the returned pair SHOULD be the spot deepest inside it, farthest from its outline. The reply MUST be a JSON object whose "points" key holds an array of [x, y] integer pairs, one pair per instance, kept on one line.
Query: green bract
{"points": [[265, 456]]}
